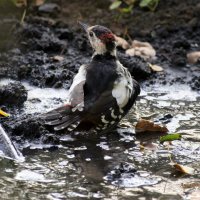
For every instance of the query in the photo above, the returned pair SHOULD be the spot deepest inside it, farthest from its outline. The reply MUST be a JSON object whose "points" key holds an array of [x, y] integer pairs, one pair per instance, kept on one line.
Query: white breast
{"points": [[123, 86]]}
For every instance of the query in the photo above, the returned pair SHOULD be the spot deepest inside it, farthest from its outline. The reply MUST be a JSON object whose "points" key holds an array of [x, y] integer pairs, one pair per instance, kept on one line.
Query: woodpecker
{"points": [[102, 91]]}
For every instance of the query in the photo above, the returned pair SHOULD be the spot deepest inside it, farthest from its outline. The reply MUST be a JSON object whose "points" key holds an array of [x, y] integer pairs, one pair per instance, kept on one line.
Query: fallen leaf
{"points": [[149, 126], [39, 2], [191, 185], [149, 146], [58, 58], [115, 5], [193, 57], [137, 43], [184, 169], [156, 68], [142, 49], [4, 114], [121, 42], [170, 137], [20, 3], [130, 52]]}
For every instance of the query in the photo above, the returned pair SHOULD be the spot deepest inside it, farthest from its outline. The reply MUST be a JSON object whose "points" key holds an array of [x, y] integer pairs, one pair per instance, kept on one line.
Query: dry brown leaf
{"points": [[193, 57], [121, 42], [191, 185], [58, 58], [156, 68], [142, 49], [20, 3], [39, 2], [130, 52], [149, 126], [149, 146], [147, 51], [137, 43], [184, 169]]}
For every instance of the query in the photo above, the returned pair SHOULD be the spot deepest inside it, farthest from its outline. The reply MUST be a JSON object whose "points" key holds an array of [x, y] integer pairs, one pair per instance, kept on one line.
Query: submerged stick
{"points": [[8, 147]]}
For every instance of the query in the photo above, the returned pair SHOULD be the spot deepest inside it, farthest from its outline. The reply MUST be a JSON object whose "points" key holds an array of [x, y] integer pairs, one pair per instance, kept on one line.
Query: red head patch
{"points": [[107, 37]]}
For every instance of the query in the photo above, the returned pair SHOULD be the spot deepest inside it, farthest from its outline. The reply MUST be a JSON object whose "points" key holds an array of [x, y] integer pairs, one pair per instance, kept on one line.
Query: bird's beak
{"points": [[84, 26], [4, 114]]}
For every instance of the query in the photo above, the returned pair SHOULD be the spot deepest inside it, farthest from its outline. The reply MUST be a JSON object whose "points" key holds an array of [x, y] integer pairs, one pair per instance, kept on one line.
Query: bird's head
{"points": [[101, 39]]}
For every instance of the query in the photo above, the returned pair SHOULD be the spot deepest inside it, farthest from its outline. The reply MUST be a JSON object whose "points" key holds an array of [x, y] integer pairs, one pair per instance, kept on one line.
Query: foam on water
{"points": [[41, 99], [170, 92]]}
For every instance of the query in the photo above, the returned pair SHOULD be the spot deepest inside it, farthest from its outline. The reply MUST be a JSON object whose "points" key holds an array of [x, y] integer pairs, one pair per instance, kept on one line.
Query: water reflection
{"points": [[113, 165]]}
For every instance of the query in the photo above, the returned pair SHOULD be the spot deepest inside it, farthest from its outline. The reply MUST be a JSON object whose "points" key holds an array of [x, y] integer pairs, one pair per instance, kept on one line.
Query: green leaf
{"points": [[144, 3], [170, 137], [127, 9], [115, 5], [151, 4]]}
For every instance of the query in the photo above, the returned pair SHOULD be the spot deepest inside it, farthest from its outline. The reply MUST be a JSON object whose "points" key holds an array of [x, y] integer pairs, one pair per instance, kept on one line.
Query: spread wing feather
{"points": [[69, 113]]}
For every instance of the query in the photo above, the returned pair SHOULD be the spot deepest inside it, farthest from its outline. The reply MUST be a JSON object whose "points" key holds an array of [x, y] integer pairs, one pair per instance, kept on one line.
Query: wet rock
{"points": [[179, 58], [136, 65], [29, 128], [13, 94], [123, 168], [50, 8], [182, 43], [64, 34], [41, 38], [195, 83], [50, 139], [125, 175], [165, 119]]}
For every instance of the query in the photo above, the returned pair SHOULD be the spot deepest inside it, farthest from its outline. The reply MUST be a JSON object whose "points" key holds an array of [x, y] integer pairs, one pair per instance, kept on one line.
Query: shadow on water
{"points": [[111, 166]]}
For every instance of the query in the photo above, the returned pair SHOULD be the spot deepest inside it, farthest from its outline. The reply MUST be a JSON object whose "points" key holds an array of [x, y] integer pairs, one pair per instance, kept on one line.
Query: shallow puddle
{"points": [[111, 166]]}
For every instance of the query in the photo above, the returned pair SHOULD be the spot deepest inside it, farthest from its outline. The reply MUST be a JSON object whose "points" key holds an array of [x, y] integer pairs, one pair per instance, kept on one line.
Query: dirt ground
{"points": [[82, 165], [28, 49]]}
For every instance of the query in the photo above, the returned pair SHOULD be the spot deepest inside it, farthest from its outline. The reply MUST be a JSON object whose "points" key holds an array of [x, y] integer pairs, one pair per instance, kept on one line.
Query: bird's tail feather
{"points": [[69, 125], [62, 118]]}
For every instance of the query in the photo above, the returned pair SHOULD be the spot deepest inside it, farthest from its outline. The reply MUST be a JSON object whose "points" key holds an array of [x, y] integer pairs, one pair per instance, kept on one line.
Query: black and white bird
{"points": [[102, 91]]}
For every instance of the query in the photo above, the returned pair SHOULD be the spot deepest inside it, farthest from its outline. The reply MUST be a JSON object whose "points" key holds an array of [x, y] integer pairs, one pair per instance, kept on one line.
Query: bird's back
{"points": [[100, 76], [101, 93]]}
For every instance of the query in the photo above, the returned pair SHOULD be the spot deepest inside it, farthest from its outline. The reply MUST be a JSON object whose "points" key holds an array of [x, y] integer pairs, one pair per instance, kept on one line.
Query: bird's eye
{"points": [[91, 34]]}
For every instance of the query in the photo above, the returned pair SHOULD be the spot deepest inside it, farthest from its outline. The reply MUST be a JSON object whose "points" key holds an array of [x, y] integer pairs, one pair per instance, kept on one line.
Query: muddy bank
{"points": [[45, 53], [49, 53], [49, 47]]}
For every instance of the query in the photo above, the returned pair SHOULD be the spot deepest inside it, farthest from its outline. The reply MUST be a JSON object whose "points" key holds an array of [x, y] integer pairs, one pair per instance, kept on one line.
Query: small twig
{"points": [[23, 17], [170, 158]]}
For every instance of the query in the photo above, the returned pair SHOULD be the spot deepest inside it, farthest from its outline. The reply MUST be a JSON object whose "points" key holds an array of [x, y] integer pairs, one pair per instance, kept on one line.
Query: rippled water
{"points": [[111, 166]]}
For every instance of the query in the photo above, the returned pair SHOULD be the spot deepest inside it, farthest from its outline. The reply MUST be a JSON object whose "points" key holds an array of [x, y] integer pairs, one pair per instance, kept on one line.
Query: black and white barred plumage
{"points": [[101, 93]]}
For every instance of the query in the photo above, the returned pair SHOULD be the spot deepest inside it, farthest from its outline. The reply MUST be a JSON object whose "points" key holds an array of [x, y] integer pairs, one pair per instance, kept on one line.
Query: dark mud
{"points": [[29, 54], [46, 34], [98, 166], [13, 94]]}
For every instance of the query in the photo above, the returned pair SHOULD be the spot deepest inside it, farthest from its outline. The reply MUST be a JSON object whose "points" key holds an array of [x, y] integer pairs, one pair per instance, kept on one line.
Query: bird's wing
{"points": [[69, 113], [76, 91], [103, 108], [112, 105]]}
